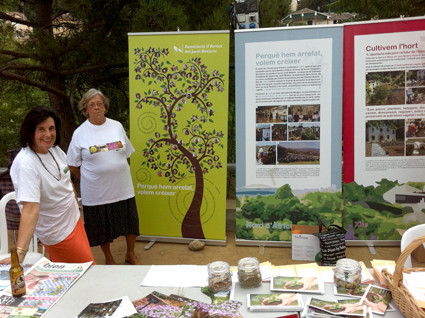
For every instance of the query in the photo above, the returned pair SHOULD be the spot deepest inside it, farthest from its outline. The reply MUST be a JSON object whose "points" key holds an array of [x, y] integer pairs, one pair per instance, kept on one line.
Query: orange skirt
{"points": [[74, 249]]}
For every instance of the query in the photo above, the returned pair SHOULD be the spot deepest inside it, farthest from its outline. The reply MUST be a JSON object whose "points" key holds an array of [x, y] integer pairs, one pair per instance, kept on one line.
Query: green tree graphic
{"points": [[179, 148]]}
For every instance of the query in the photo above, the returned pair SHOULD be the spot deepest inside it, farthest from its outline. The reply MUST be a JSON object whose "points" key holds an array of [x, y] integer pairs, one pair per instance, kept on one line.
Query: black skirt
{"points": [[104, 223]]}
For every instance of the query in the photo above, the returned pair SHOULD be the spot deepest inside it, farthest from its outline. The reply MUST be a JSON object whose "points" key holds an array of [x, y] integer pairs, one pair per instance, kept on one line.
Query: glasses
{"points": [[98, 104]]}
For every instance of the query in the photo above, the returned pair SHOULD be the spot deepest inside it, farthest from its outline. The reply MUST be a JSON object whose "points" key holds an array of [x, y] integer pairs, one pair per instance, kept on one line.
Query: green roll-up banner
{"points": [[178, 126]]}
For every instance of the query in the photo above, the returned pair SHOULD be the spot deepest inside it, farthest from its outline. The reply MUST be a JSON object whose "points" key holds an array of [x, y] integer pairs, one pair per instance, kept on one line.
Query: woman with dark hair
{"points": [[45, 193]]}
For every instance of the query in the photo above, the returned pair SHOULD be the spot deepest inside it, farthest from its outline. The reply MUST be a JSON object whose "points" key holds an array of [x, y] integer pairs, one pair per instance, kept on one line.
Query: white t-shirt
{"points": [[101, 152], [59, 210]]}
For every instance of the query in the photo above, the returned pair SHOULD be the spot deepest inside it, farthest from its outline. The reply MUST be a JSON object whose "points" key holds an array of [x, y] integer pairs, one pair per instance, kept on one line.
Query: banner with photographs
{"points": [[178, 126], [288, 129], [384, 128]]}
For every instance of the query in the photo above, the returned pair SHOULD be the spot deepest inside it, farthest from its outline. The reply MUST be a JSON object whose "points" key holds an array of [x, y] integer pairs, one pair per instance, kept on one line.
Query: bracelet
{"points": [[21, 251]]}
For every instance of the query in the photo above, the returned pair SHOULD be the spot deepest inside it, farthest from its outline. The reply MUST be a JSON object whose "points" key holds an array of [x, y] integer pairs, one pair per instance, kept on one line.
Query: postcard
{"points": [[377, 298], [275, 302], [347, 309], [298, 284], [358, 292], [113, 308]]}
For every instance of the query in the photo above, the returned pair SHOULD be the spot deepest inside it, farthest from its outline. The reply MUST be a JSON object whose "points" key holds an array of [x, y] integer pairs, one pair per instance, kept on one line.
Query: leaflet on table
{"points": [[378, 266], [358, 292], [303, 278], [116, 308], [46, 282], [306, 284], [220, 296], [4, 274], [415, 283], [275, 302], [318, 307], [308, 269], [159, 305], [377, 298], [176, 276]]}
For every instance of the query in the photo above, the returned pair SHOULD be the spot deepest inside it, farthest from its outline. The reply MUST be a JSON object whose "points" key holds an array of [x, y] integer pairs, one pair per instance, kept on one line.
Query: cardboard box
{"points": [[305, 246]]}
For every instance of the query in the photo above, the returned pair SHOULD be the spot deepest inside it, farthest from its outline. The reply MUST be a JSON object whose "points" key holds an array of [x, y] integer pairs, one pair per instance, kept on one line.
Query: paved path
{"points": [[377, 151]]}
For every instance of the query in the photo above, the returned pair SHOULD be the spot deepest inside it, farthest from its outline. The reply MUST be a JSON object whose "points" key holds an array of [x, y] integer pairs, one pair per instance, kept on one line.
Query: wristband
{"points": [[21, 251]]}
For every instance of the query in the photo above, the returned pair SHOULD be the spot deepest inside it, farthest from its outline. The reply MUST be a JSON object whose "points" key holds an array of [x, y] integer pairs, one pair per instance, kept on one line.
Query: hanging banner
{"points": [[178, 126], [384, 128], [288, 128]]}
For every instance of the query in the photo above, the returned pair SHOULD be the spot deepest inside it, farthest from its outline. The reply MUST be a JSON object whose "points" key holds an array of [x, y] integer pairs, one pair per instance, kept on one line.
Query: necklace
{"points": [[59, 171]]}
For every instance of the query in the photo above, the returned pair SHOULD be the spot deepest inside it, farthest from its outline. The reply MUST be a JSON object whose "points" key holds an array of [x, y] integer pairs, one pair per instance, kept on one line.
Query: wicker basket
{"points": [[401, 295]]}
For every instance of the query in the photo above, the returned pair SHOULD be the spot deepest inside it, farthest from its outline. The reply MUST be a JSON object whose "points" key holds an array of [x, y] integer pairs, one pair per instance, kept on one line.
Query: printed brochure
{"points": [[116, 308], [308, 284], [46, 282], [159, 305], [333, 308], [275, 302], [377, 298]]}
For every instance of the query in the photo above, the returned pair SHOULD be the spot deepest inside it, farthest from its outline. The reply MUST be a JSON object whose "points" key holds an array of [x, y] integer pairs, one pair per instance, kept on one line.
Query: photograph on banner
{"points": [[291, 125], [178, 126], [385, 194]]}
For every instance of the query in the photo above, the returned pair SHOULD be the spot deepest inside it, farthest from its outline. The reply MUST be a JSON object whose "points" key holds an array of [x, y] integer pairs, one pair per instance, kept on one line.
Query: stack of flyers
{"points": [[275, 302], [333, 308], [367, 277], [297, 284]]}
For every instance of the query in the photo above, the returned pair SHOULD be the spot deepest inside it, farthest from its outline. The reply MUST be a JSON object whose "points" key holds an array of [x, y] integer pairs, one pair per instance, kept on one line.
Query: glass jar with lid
{"points": [[347, 273], [249, 273], [219, 276]]}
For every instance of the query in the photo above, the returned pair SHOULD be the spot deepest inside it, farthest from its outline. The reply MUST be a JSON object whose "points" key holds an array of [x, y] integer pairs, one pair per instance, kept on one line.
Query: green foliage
{"points": [[384, 185], [380, 94], [354, 192], [380, 9], [272, 11], [13, 108], [418, 185], [323, 201], [284, 192], [253, 209], [93, 53], [270, 217], [159, 15], [319, 5]]}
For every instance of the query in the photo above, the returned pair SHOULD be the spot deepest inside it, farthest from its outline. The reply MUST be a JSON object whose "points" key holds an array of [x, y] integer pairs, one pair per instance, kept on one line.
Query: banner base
{"points": [[372, 243], [364, 243], [263, 243], [167, 239]]}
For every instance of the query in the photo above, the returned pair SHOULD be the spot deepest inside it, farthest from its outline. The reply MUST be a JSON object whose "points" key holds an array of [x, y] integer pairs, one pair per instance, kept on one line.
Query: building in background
{"points": [[311, 17]]}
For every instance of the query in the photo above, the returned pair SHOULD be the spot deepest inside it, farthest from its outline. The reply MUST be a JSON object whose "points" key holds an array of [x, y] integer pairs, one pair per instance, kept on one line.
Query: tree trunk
{"points": [[49, 58], [191, 225]]}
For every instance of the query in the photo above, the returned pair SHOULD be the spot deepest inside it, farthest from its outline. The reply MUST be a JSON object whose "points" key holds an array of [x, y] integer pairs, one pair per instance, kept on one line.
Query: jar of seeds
{"points": [[219, 277], [249, 273], [347, 273]]}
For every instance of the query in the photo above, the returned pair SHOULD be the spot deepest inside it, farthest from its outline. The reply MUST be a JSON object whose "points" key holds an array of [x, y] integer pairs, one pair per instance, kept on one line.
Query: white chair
{"points": [[33, 255], [408, 236]]}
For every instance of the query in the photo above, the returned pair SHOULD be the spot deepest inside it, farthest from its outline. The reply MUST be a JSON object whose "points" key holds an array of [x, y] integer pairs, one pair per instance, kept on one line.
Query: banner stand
{"points": [[178, 83], [242, 242], [166, 239]]}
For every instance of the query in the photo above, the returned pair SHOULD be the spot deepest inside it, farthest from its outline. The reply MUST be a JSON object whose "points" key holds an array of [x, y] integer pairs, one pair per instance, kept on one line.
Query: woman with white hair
{"points": [[98, 155]]}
